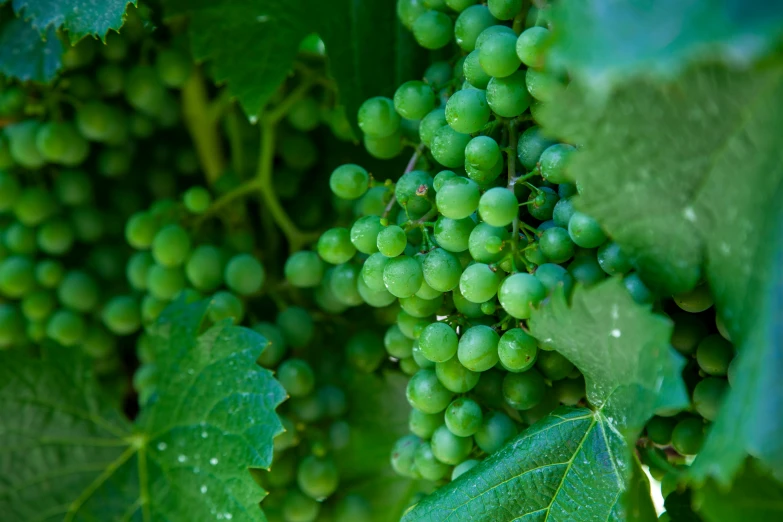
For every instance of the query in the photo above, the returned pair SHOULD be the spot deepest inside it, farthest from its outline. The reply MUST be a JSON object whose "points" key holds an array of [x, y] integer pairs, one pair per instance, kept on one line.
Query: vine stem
{"points": [[512, 174], [201, 120]]}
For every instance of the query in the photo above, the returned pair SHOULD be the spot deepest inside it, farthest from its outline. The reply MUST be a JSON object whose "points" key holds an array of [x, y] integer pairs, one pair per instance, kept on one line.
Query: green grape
{"points": [[163, 282], [98, 121], [426, 393], [453, 235], [543, 86], [414, 99], [554, 276], [635, 286], [462, 468], [144, 90], [317, 477], [433, 30], [438, 74], [275, 348], [544, 202], [431, 123], [428, 466], [458, 198], [517, 350], [304, 269], [34, 206], [586, 270], [554, 162], [365, 351], [38, 305], [351, 508], [342, 281], [612, 259], [467, 308], [714, 353], [566, 190], [225, 305], [490, 31], [65, 327], [98, 343], [498, 55], [553, 365], [460, 5], [121, 315], [688, 436], [391, 241], [372, 271], [408, 191], [425, 291], [204, 268], [377, 117], [467, 111], [523, 391], [73, 188], [463, 417], [448, 146], [478, 283], [78, 291], [519, 293], [489, 389], [22, 144], [441, 270], [171, 246], [496, 429], [697, 300], [478, 348], [508, 96], [482, 152], [140, 230], [11, 325], [498, 207], [450, 448], [470, 23], [20, 239], [402, 276], [569, 391], [197, 200], [349, 181], [659, 430], [298, 507], [531, 144], [244, 274], [424, 424], [173, 67], [438, 342], [532, 45], [585, 231], [419, 307], [283, 472], [556, 245], [708, 395], [55, 237], [473, 72], [59, 142], [48, 273], [403, 453], [335, 247], [504, 9], [396, 343], [296, 325], [10, 189], [296, 376], [688, 331]]}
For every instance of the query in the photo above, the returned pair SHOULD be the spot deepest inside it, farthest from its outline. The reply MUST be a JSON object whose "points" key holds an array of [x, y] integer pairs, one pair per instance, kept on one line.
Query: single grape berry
{"points": [[317, 477], [525, 390], [391, 241], [204, 268], [498, 207], [296, 376], [517, 350], [304, 269], [478, 348], [714, 354], [613, 260], [349, 181], [479, 283], [688, 436], [426, 393], [469, 25], [508, 96], [531, 46], [585, 231], [448, 147], [556, 245], [463, 417], [438, 342], [244, 274], [496, 429], [335, 247], [121, 315], [450, 448], [474, 74], [458, 198], [197, 200], [433, 30], [498, 55], [414, 99], [377, 117], [467, 111], [171, 246], [519, 293]]}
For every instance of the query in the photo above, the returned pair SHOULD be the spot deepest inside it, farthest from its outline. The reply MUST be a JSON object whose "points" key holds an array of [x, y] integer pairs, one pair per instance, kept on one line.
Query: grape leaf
{"points": [[25, 55], [621, 347], [571, 465], [70, 456], [252, 45], [79, 17], [699, 182], [605, 43], [753, 497], [679, 506]]}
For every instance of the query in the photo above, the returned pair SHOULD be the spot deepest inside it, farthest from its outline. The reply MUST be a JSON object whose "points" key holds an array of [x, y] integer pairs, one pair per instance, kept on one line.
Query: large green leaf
{"points": [[79, 18], [571, 465], [621, 347], [753, 497], [696, 187], [604, 42], [252, 44], [67, 455], [25, 54]]}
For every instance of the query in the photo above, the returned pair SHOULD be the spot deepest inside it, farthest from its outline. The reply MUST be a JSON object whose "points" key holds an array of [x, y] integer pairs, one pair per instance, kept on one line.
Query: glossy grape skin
{"points": [[335, 247], [349, 181], [554, 276], [636, 287], [531, 144], [519, 293], [244, 274], [121, 315], [414, 99], [438, 342], [553, 365], [463, 417], [480, 238], [448, 146], [441, 270], [455, 377], [525, 390], [478, 283], [556, 245], [585, 231], [408, 11], [498, 207], [467, 111], [65, 327], [688, 436], [453, 235], [688, 331], [450, 448], [544, 203], [482, 152], [659, 430], [714, 354], [433, 30], [384, 148], [317, 477], [408, 190], [531, 46], [495, 431], [377, 117], [171, 246], [498, 56], [424, 424], [427, 464], [403, 453], [397, 344], [508, 97], [304, 269], [708, 395], [473, 72], [402, 276], [517, 350], [426, 393], [697, 300], [470, 23], [431, 123], [296, 376], [391, 241], [613, 260], [543, 86], [225, 305], [478, 348]]}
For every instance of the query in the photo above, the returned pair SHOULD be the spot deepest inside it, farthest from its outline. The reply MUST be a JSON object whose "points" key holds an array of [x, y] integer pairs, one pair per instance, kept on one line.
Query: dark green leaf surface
{"points": [[753, 497], [252, 44], [607, 42], [679, 506], [666, 183], [25, 55], [79, 17], [621, 347], [70, 457], [571, 465], [638, 501]]}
